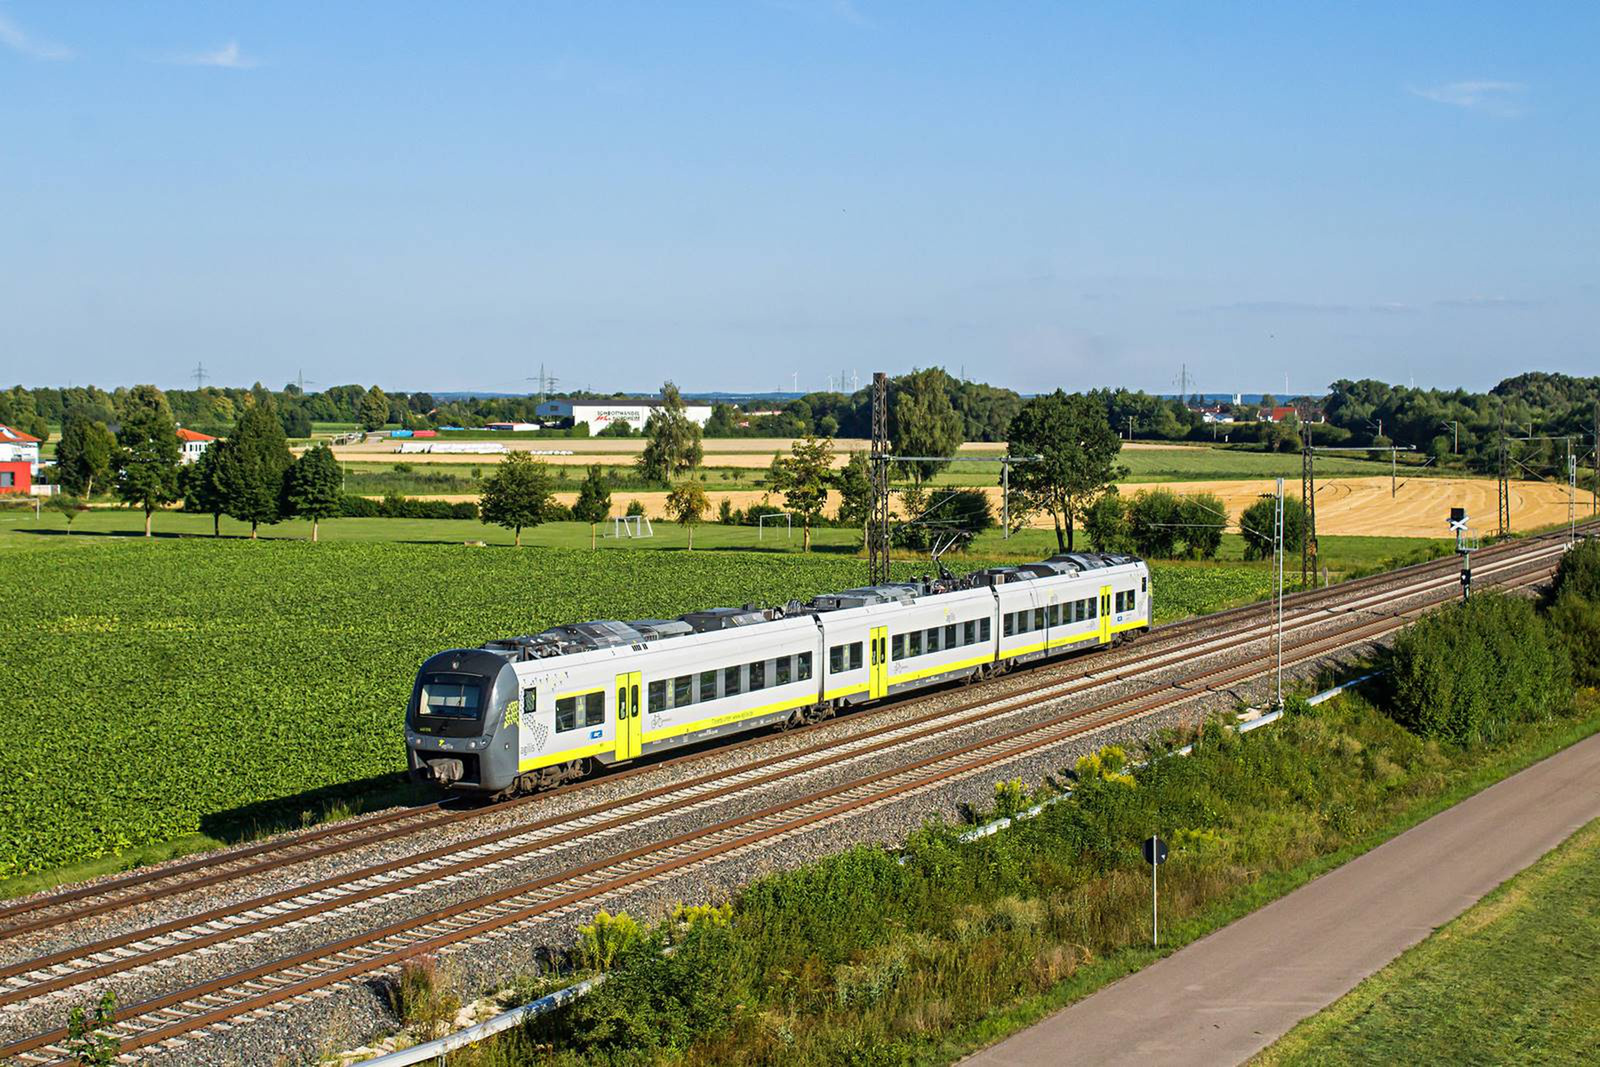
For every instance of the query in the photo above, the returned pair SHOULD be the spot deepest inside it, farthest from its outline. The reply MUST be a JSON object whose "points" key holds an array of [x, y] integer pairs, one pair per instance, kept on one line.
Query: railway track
{"points": [[229, 997], [212, 870]]}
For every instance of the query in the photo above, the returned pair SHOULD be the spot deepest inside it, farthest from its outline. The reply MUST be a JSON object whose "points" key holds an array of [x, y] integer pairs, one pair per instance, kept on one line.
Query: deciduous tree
{"points": [[923, 422], [674, 440], [147, 451], [84, 456], [803, 477], [686, 504], [374, 409], [1078, 450], [516, 495], [201, 485], [594, 502], [315, 486]]}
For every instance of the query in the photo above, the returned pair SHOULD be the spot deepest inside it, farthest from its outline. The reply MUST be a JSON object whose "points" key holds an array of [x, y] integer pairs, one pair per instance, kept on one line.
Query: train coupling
{"points": [[443, 771]]}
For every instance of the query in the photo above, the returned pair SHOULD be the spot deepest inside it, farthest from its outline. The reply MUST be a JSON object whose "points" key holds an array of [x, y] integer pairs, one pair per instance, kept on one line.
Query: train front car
{"points": [[461, 724]]}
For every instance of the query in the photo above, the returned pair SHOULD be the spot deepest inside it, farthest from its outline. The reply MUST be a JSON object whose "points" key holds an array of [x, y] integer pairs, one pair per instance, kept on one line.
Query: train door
{"points": [[630, 724], [878, 684], [1105, 614]]}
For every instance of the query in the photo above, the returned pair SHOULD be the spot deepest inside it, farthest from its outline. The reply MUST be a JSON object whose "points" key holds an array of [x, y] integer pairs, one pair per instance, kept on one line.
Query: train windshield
{"points": [[451, 696]]}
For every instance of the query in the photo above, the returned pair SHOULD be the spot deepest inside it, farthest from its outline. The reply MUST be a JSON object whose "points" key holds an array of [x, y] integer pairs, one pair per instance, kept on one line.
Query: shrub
{"points": [[605, 939], [635, 507], [1259, 519], [1469, 673], [1203, 515], [1576, 621], [1579, 573], [420, 1001], [1106, 524], [1154, 516]]}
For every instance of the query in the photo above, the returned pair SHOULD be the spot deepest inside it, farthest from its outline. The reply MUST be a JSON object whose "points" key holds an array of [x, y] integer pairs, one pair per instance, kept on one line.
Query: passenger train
{"points": [[531, 712]]}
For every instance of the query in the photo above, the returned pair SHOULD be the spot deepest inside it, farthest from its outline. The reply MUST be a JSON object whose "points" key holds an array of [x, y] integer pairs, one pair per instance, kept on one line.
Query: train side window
{"points": [[708, 685], [758, 675], [1038, 618], [855, 656], [805, 666], [785, 671], [914, 643], [730, 681], [683, 691], [932, 639], [566, 714], [969, 633], [1144, 583], [1094, 607], [985, 631], [1006, 624], [594, 708], [658, 696], [897, 647], [950, 639], [530, 701], [836, 659]]}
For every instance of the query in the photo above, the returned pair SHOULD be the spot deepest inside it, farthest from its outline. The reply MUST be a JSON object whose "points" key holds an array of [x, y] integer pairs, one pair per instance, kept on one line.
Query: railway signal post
{"points": [[1465, 543]]}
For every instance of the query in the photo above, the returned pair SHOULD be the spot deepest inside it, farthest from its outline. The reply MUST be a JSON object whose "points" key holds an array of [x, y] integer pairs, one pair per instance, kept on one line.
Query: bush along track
{"points": [[870, 957]]}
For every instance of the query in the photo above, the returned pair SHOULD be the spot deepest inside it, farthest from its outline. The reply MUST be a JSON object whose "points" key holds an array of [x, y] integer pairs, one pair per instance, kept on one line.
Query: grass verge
{"points": [[1510, 980], [860, 958]]}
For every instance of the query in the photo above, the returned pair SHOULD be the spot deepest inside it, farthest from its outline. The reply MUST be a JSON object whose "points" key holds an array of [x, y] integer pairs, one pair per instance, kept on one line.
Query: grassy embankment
{"points": [[859, 958], [1512, 980]]}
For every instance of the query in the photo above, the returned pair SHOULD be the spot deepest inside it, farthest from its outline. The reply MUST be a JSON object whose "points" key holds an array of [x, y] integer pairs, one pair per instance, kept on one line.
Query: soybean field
{"points": [[164, 688]]}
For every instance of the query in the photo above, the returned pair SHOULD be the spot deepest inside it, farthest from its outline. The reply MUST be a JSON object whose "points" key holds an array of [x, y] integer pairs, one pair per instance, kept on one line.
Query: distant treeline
{"points": [[1442, 423]]}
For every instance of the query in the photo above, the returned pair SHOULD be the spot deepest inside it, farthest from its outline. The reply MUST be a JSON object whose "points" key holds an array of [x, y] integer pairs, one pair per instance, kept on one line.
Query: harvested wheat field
{"points": [[1344, 505]]}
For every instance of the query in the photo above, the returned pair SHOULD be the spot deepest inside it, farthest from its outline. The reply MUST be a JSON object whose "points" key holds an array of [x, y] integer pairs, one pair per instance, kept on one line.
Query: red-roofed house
{"points": [[194, 444], [19, 460], [1278, 414]]}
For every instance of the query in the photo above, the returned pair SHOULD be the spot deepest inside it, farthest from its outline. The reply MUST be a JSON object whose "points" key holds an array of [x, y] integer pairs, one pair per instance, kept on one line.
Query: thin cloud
{"points": [[1299, 307], [1503, 99], [1486, 303], [12, 36], [227, 57]]}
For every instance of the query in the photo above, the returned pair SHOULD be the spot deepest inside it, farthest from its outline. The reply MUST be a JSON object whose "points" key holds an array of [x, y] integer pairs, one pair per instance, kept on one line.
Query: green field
{"points": [[1204, 463], [190, 685], [1512, 980]]}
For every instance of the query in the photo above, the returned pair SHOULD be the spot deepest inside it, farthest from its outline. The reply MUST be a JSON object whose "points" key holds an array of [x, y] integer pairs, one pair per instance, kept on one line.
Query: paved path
{"points": [[1228, 996]]}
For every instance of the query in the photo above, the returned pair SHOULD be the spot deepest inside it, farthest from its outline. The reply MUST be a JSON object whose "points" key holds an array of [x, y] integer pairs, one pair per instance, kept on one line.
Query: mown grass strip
{"points": [[1510, 980]]}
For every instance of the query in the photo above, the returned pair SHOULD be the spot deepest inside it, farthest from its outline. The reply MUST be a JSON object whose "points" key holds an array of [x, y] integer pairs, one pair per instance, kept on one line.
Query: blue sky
{"points": [[443, 196]]}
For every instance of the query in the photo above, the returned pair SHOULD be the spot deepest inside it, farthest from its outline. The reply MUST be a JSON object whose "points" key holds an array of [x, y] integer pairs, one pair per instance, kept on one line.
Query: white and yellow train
{"points": [[531, 712]]}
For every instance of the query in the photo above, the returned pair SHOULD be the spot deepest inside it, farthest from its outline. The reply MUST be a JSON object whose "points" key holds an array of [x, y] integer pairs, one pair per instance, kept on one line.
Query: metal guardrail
{"points": [[437, 1050]]}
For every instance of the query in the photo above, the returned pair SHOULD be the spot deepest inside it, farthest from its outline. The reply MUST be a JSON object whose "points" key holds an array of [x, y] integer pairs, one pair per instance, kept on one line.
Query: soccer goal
{"points": [[788, 524], [631, 526]]}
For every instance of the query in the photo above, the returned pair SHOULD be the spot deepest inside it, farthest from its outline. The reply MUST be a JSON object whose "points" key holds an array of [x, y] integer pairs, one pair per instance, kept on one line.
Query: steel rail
{"points": [[1064, 727]]}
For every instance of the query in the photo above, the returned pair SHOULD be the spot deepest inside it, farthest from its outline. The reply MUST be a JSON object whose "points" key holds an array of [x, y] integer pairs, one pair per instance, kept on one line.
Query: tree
{"points": [[201, 485], [517, 494], [68, 506], [1154, 518], [686, 503], [253, 470], [148, 451], [316, 486], [854, 483], [1202, 517], [803, 477], [374, 409], [1078, 450], [84, 455], [1106, 523], [594, 501], [1260, 519], [674, 441], [923, 422]]}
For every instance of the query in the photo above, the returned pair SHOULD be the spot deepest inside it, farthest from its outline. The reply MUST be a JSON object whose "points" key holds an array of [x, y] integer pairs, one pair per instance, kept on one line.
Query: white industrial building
{"points": [[603, 414]]}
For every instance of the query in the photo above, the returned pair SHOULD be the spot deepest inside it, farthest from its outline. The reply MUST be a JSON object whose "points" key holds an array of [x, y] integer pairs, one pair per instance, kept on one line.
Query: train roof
{"points": [[574, 638]]}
